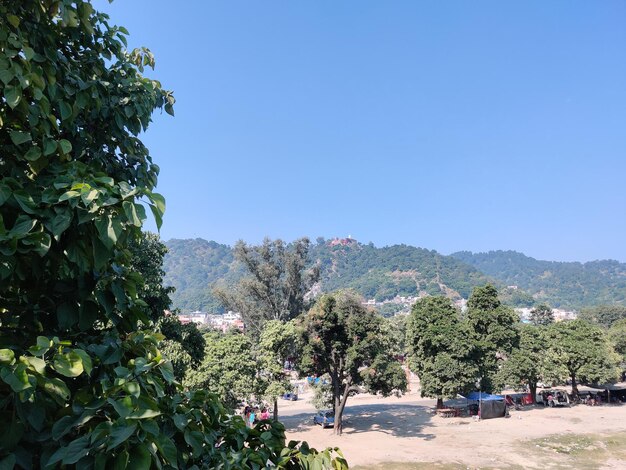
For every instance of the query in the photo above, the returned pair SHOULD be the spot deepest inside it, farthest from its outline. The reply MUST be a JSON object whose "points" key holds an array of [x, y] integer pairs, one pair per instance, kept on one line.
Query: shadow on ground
{"points": [[400, 420]]}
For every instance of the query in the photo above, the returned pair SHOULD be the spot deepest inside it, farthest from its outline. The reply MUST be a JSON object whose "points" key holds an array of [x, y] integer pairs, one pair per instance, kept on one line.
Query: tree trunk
{"points": [[340, 404], [574, 387], [533, 392], [439, 403], [275, 409]]}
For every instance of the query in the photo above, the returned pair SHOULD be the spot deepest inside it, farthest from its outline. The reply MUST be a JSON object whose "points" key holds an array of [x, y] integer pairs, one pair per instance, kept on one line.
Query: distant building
{"points": [[342, 241]]}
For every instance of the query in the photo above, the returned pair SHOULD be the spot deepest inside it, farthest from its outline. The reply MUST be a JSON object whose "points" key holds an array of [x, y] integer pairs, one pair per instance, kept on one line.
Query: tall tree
{"points": [[276, 285], [440, 349], [491, 327], [80, 386], [524, 366], [541, 315], [276, 345], [343, 339], [580, 352]]}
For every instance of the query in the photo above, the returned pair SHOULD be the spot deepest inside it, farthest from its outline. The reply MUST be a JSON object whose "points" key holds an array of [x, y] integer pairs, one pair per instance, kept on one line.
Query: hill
{"points": [[194, 266], [560, 284]]}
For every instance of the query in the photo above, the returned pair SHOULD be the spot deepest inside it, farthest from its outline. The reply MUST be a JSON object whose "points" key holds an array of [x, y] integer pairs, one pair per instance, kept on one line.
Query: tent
{"points": [[491, 406]]}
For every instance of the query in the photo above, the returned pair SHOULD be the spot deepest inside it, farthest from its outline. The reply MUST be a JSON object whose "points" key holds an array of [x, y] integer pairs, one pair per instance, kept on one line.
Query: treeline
{"points": [[561, 284]]}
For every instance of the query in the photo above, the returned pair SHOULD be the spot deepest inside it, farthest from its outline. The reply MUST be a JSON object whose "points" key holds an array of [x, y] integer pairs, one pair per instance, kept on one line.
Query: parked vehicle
{"points": [[553, 398], [325, 418], [292, 396]]}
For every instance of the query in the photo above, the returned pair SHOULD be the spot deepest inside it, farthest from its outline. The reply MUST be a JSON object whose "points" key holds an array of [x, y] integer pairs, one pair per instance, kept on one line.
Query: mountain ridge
{"points": [[194, 266]]}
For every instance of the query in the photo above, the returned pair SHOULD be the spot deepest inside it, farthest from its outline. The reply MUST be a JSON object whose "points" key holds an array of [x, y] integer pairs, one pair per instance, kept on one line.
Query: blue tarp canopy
{"points": [[483, 396]]}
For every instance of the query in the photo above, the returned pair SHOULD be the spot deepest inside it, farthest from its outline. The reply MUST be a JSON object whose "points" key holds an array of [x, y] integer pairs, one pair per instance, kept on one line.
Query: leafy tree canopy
{"points": [[541, 315], [440, 348], [345, 340], [276, 283], [603, 315], [524, 366], [491, 326], [579, 351]]}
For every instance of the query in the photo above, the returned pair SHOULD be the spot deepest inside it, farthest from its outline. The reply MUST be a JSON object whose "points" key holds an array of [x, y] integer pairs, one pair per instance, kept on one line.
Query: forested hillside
{"points": [[383, 273], [194, 266], [561, 284]]}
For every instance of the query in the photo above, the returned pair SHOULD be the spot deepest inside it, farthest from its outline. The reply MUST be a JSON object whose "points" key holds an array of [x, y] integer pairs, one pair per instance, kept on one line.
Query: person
{"points": [[246, 415], [265, 414], [251, 418]]}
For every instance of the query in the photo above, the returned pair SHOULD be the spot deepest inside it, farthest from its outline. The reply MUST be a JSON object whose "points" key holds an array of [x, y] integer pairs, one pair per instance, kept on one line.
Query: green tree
{"points": [[79, 384], [603, 315], [276, 285], [229, 368], [580, 352], [345, 340], [524, 366], [541, 315], [617, 335], [491, 327], [276, 345], [440, 349], [148, 253]]}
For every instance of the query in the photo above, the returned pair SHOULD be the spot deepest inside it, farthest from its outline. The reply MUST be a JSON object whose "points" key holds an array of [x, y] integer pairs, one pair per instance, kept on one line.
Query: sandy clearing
{"points": [[405, 429]]}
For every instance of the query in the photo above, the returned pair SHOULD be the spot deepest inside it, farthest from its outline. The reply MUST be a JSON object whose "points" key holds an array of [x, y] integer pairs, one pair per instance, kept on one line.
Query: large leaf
{"points": [[119, 433], [69, 364], [19, 137], [167, 449]]}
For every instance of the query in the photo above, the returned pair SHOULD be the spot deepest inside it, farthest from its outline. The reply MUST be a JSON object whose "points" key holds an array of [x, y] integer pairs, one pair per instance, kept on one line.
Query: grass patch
{"points": [[587, 451]]}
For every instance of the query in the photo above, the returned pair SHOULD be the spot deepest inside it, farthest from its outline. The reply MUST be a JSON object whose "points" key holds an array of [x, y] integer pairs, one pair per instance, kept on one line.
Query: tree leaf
{"points": [[33, 154], [120, 432], [13, 95], [167, 449], [65, 146], [7, 357], [68, 364], [19, 137]]}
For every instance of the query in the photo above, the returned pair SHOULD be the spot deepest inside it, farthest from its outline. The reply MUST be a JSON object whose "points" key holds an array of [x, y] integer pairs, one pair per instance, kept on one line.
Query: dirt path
{"points": [[405, 429]]}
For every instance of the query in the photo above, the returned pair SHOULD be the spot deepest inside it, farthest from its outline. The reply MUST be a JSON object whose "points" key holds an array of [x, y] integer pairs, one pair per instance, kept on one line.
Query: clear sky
{"points": [[450, 125]]}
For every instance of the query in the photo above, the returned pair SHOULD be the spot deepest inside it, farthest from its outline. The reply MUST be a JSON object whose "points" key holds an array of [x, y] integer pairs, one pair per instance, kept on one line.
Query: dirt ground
{"points": [[379, 431]]}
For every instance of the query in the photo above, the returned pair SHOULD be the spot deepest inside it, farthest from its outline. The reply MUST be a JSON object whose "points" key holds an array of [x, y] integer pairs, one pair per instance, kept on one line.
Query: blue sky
{"points": [[472, 125]]}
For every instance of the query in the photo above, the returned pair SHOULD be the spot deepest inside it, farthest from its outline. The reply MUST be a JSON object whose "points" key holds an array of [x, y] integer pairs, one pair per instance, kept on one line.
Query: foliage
{"points": [[525, 364], [188, 335], [440, 349], [229, 368], [79, 385], [561, 284], [491, 327], [579, 351], [604, 315], [147, 259], [276, 283], [322, 394], [343, 339], [541, 315], [124, 418], [617, 335], [395, 331], [277, 344]]}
